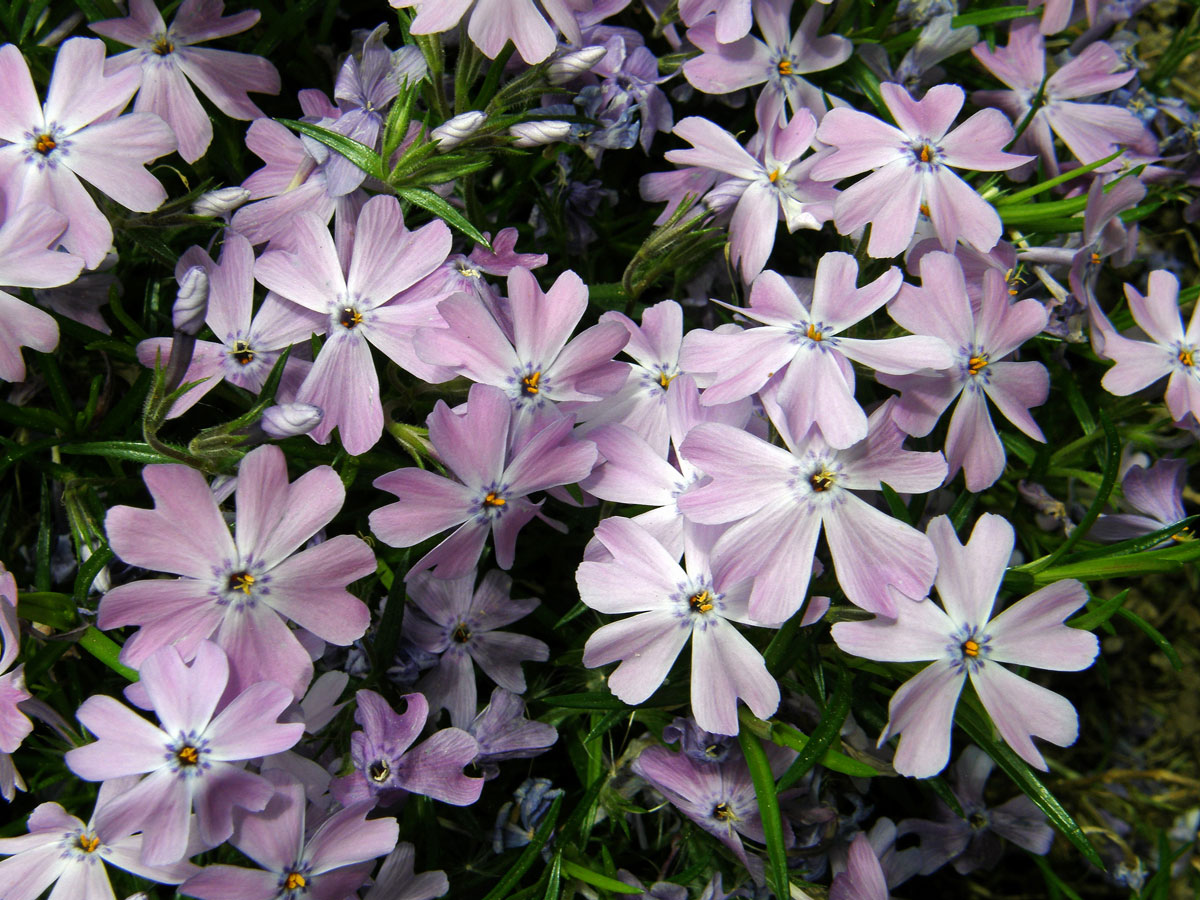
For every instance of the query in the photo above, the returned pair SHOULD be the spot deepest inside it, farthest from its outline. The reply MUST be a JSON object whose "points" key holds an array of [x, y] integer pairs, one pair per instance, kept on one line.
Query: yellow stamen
{"points": [[785, 67], [970, 648], [242, 581], [493, 499], [162, 46], [529, 384], [188, 755], [462, 633], [924, 153], [723, 812], [813, 334], [1095, 258], [294, 881], [976, 364], [664, 380], [701, 602], [821, 481], [924, 208], [1185, 357], [350, 317], [242, 353], [44, 144], [379, 771], [88, 843], [774, 176]]}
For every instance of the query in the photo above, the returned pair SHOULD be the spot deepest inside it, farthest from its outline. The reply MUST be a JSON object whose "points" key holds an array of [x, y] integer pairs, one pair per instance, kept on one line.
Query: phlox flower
{"points": [[330, 861], [238, 590], [167, 61], [494, 23], [397, 880], [25, 261], [780, 59], [386, 764], [357, 300], [780, 499], [14, 724], [912, 168], [981, 339], [192, 759], [673, 604], [798, 343], [494, 482], [61, 850], [77, 134], [863, 878], [540, 366], [503, 732], [1155, 495], [459, 622], [967, 641], [246, 349], [1171, 351], [775, 183], [732, 17], [1091, 131]]}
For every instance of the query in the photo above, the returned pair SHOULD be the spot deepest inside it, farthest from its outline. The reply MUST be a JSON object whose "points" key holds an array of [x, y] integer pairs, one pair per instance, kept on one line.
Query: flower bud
{"points": [[547, 131], [566, 68], [291, 419], [220, 202], [454, 131], [191, 303]]}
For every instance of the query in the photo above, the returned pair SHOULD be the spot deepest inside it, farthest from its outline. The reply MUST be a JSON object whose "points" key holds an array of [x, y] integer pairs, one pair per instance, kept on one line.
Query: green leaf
{"points": [[510, 878], [1155, 635], [607, 721], [1139, 544], [554, 878], [1099, 613], [89, 570], [574, 870], [131, 451], [590, 700], [823, 735], [1020, 772], [1029, 214], [47, 607], [768, 806], [431, 202], [895, 504], [1022, 196], [359, 154]]}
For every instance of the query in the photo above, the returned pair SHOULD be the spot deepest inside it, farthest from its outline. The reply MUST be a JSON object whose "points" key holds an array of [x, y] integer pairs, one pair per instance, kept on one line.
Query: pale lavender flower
{"points": [[14, 724], [732, 17], [25, 261], [981, 340], [503, 732], [1170, 350], [1155, 496], [495, 22], [781, 499], [491, 494], [673, 605], [329, 862], [1091, 131], [191, 759], [355, 294], [973, 840], [660, 890], [863, 878], [396, 879], [630, 74], [776, 183], [1057, 14], [386, 764], [799, 345], [780, 59], [459, 622], [78, 134], [454, 131], [238, 591], [912, 168], [966, 641], [61, 850], [168, 62]]}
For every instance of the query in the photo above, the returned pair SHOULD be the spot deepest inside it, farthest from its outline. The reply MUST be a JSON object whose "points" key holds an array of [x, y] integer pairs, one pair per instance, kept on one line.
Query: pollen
{"points": [[188, 755], [924, 153], [701, 602], [774, 176], [493, 499], [722, 812], [529, 384], [44, 144], [785, 67], [88, 843], [813, 334], [379, 771], [242, 353], [241, 581], [1185, 357], [821, 481], [294, 882], [977, 364], [970, 648], [1095, 258], [350, 318], [163, 47]]}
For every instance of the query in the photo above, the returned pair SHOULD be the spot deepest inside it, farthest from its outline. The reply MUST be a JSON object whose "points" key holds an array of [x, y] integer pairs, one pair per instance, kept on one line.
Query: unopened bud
{"points": [[291, 419], [454, 131], [566, 68], [191, 303], [532, 134], [220, 202]]}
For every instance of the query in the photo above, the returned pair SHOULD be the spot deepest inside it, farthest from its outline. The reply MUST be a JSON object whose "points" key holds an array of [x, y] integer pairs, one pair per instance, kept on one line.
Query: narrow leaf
{"points": [[359, 154], [768, 806], [431, 202], [823, 735], [574, 870], [510, 878]]}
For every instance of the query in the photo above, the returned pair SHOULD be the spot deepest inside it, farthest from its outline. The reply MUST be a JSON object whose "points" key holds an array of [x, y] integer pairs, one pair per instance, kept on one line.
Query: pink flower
{"points": [[77, 134], [912, 168], [168, 62], [863, 878], [966, 641], [14, 724], [495, 22], [191, 758], [238, 592]]}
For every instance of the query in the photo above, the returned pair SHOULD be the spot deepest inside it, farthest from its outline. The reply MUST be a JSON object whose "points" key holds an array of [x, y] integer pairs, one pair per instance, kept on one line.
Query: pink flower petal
{"points": [[1022, 710], [922, 713], [112, 156], [969, 576], [929, 117], [726, 668], [647, 646], [1031, 631]]}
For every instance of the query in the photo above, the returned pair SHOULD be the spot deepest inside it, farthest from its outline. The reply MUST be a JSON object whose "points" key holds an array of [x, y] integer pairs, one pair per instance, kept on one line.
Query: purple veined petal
{"points": [[1183, 394], [647, 646], [922, 713], [21, 108], [1092, 131], [221, 882], [585, 370], [197, 21], [550, 458], [1004, 326], [81, 91], [1121, 526], [394, 328], [1031, 631], [978, 144], [873, 553], [224, 78], [921, 631], [387, 259], [660, 336], [837, 302], [81, 880], [491, 606], [275, 837], [127, 744], [446, 600], [25, 260], [1015, 387], [814, 390], [542, 322], [1022, 710], [166, 93], [972, 443], [506, 528], [724, 68], [343, 382], [377, 718], [969, 575], [929, 117], [752, 229], [89, 235], [726, 668], [160, 805], [774, 302], [631, 472], [434, 768], [1097, 70], [459, 552], [309, 504], [1021, 64], [185, 697], [889, 199], [126, 853], [23, 325], [348, 837], [261, 647], [280, 323], [494, 24], [713, 148], [231, 288], [310, 589], [641, 576], [863, 878], [308, 272], [741, 362], [957, 212], [1158, 312], [812, 53], [863, 142], [223, 788], [396, 878], [1155, 491], [112, 156], [474, 342], [1138, 364], [451, 685], [940, 306], [472, 444], [500, 654], [726, 452], [262, 500], [899, 356], [246, 728]]}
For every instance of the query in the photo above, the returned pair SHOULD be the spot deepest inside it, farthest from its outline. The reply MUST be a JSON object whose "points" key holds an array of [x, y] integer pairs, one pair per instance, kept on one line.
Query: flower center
{"points": [[294, 881], [87, 842], [924, 209], [970, 648], [1186, 356], [44, 144], [665, 379], [242, 353], [814, 334], [1095, 258], [821, 481], [493, 499], [774, 176], [701, 602], [379, 771], [924, 152], [977, 363], [188, 755], [529, 384], [723, 813], [241, 581], [785, 67], [462, 633], [350, 317], [162, 46]]}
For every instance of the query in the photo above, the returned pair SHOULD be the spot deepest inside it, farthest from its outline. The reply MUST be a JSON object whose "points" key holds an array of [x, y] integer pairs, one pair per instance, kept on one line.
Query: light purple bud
{"points": [[566, 68], [291, 419], [220, 202], [547, 131], [453, 132], [191, 303]]}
